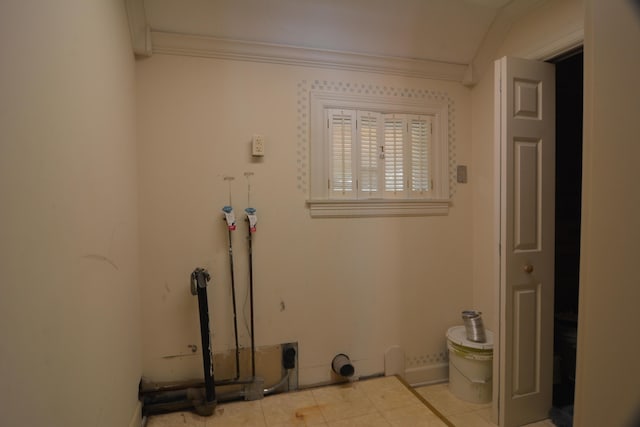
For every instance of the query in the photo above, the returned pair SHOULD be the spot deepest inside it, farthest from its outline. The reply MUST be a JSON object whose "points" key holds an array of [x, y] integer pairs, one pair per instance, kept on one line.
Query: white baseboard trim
{"points": [[136, 418], [429, 374]]}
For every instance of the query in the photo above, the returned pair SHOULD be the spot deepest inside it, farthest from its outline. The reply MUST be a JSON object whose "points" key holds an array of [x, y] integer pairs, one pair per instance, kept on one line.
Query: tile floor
{"points": [[382, 401], [461, 413]]}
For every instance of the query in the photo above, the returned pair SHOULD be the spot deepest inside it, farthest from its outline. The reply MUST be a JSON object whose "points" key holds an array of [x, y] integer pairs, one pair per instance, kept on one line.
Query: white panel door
{"points": [[526, 131]]}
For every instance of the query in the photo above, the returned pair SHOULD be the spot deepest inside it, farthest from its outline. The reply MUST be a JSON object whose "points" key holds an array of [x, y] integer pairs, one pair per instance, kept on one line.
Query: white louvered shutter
{"points": [[420, 143], [394, 127], [341, 124], [369, 143]]}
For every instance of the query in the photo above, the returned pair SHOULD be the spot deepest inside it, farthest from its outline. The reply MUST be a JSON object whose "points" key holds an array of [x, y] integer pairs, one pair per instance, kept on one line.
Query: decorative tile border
{"points": [[413, 361]]}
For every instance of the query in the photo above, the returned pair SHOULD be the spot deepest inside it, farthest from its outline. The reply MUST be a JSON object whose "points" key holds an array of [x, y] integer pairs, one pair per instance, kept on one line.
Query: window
{"points": [[376, 156]]}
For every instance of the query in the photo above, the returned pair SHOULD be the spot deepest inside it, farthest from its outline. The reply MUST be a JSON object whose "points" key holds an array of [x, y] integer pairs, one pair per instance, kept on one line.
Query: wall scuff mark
{"points": [[102, 258]]}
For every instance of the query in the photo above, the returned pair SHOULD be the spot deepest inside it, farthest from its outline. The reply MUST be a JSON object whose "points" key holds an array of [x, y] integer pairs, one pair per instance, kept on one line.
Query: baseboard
{"points": [[429, 374], [136, 418]]}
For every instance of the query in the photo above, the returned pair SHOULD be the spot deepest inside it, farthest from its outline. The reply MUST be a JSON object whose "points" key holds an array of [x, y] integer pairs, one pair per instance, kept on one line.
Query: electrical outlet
{"points": [[257, 146], [289, 358]]}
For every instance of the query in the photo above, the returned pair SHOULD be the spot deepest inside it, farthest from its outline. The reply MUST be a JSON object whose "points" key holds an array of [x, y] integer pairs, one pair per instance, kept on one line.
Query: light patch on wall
{"points": [[303, 107]]}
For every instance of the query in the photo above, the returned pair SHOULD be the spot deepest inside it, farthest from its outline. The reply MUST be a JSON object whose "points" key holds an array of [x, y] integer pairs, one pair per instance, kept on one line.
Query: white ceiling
{"points": [[437, 30]]}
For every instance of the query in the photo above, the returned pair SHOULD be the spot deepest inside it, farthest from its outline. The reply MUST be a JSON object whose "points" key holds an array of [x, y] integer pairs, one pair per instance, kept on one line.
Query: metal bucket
{"points": [[473, 325]]}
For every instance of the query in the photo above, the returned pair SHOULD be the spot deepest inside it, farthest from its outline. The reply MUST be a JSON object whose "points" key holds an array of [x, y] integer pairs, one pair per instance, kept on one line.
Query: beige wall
{"points": [[355, 286], [484, 259], [537, 29], [69, 298], [544, 28], [608, 372]]}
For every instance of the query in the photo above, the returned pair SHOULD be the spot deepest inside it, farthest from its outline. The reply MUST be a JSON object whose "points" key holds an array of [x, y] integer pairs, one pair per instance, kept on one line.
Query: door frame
{"points": [[544, 53]]}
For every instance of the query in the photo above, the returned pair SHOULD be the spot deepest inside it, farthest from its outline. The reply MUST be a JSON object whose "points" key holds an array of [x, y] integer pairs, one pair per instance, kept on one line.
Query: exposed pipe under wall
{"points": [[288, 363], [273, 388], [175, 397], [182, 396]]}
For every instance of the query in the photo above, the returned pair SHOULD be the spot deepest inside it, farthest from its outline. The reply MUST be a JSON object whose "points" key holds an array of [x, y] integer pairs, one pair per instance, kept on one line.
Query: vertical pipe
{"points": [[253, 346], [202, 276], [235, 315]]}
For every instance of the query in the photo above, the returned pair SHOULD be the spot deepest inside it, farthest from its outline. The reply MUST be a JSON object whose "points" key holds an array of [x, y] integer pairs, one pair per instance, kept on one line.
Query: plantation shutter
{"points": [[394, 126], [420, 143], [369, 154], [341, 124], [374, 155]]}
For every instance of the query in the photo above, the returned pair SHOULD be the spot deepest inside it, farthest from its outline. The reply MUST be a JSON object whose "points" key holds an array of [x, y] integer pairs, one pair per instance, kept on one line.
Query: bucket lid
{"points": [[458, 335]]}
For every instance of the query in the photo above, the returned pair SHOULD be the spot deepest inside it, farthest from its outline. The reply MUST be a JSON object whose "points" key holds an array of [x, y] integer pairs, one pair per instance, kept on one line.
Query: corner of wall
{"points": [[136, 417]]}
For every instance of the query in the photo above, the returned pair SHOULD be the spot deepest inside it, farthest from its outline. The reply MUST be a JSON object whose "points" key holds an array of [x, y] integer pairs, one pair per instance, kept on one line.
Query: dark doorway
{"points": [[569, 114]]}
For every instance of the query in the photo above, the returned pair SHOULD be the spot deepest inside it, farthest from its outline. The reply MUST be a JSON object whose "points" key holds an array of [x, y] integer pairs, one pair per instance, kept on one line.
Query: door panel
{"points": [[526, 345], [526, 138], [526, 195]]}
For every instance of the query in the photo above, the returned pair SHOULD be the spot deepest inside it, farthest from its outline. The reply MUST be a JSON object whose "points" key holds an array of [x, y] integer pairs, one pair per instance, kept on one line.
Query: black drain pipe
{"points": [[190, 395], [253, 342], [199, 279]]}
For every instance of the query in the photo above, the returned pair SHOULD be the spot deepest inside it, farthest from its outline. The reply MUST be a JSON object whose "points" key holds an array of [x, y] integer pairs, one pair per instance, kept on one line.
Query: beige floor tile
{"points": [[292, 410], [461, 413], [544, 423], [440, 397], [177, 419], [469, 419], [369, 420], [238, 414], [323, 424], [413, 415], [337, 393], [387, 393], [485, 413], [372, 403], [340, 410], [387, 383], [387, 400], [343, 401]]}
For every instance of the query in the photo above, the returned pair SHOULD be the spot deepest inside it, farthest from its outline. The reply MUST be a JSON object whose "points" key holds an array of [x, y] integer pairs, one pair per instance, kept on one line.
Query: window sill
{"points": [[377, 208]]}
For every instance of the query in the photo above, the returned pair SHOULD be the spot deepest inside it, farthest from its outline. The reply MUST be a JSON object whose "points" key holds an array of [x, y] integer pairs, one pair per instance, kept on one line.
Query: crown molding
{"points": [[138, 27], [556, 47], [210, 47]]}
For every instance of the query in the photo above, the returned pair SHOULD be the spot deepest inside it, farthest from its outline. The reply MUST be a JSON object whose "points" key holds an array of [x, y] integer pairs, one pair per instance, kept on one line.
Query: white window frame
{"points": [[433, 202]]}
